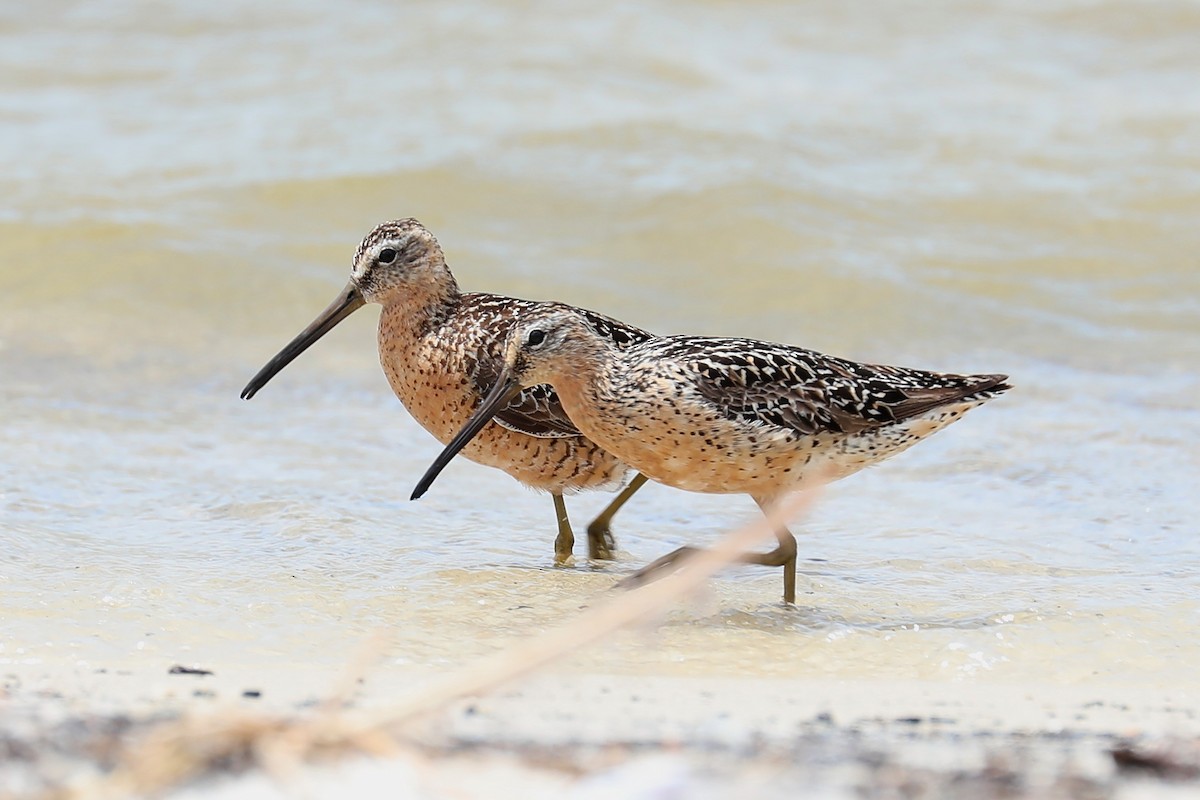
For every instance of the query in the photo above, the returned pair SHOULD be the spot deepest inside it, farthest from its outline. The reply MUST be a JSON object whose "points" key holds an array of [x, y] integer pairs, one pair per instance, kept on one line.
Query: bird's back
{"points": [[801, 390], [738, 415]]}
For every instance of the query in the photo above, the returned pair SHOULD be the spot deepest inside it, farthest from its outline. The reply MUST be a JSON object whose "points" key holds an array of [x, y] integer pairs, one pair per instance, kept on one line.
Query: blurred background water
{"points": [[969, 186]]}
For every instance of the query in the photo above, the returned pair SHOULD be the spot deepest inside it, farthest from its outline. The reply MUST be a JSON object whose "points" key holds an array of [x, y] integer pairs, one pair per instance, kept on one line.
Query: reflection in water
{"points": [[960, 188]]}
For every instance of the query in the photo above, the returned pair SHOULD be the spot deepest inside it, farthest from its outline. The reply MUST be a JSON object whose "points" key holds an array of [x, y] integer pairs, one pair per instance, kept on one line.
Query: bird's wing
{"points": [[808, 393]]}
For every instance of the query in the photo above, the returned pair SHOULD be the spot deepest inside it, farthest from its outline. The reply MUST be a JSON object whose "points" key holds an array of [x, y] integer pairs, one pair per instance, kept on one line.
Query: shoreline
{"points": [[567, 732]]}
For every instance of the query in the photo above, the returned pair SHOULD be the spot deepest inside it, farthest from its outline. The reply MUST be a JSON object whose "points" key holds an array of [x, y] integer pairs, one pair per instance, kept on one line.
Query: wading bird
{"points": [[442, 349], [723, 415]]}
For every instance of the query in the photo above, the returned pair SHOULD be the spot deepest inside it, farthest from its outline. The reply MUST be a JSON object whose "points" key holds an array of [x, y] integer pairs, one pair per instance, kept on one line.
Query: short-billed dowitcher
{"points": [[442, 350], [724, 415]]}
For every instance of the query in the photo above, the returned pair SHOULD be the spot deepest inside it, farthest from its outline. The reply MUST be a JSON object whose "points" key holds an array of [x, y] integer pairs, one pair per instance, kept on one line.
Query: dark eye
{"points": [[387, 256], [535, 337]]}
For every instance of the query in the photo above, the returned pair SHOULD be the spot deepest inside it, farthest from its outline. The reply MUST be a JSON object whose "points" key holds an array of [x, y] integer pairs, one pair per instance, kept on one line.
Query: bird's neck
{"points": [[421, 304], [585, 389]]}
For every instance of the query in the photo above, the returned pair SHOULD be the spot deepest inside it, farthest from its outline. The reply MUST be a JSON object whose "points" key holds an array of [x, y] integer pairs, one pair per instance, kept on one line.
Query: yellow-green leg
{"points": [[784, 555], [564, 543], [601, 544]]}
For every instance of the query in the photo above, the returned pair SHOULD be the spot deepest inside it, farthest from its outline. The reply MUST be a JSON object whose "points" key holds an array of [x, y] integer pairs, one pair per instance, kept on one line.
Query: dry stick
{"points": [[594, 623]]}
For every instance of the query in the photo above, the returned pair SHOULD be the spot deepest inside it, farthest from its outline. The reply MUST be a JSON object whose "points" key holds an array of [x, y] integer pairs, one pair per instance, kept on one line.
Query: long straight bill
{"points": [[506, 388], [345, 304]]}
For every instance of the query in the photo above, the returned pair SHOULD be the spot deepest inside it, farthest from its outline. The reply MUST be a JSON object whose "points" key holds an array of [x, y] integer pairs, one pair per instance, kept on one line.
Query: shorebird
{"points": [[442, 350], [724, 415]]}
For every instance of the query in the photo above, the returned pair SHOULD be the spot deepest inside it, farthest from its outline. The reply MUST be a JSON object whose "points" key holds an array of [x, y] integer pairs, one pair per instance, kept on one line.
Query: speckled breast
{"points": [[429, 370]]}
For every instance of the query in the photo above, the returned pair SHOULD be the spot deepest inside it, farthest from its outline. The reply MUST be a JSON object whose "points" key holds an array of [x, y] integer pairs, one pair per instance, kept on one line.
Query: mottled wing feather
{"points": [[536, 411], [807, 392]]}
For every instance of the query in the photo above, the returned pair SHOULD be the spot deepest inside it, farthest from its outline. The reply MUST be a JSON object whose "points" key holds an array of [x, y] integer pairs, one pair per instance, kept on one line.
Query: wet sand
{"points": [[592, 735], [524, 721]]}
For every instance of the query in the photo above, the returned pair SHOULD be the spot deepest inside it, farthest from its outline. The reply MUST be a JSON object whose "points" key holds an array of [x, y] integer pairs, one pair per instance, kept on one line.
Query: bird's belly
{"points": [[715, 458], [441, 398], [755, 472], [722, 455]]}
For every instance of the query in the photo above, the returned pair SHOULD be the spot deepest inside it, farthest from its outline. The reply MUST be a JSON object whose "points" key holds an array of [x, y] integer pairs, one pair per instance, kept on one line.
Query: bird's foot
{"points": [[601, 544]]}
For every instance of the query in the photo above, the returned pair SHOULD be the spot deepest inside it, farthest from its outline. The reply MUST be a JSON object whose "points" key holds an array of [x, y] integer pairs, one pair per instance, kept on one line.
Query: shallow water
{"points": [[970, 187]]}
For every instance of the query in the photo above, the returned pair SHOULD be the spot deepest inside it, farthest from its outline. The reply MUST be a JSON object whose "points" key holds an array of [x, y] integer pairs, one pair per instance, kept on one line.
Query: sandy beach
{"points": [[562, 733], [531, 720]]}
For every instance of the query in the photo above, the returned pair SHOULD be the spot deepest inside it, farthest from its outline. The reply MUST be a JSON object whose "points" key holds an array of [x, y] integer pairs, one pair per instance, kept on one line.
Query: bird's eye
{"points": [[535, 337], [387, 256]]}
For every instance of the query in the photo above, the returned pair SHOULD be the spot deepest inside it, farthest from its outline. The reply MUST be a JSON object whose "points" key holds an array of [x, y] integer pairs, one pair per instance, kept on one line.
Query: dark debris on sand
{"points": [[39, 760]]}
